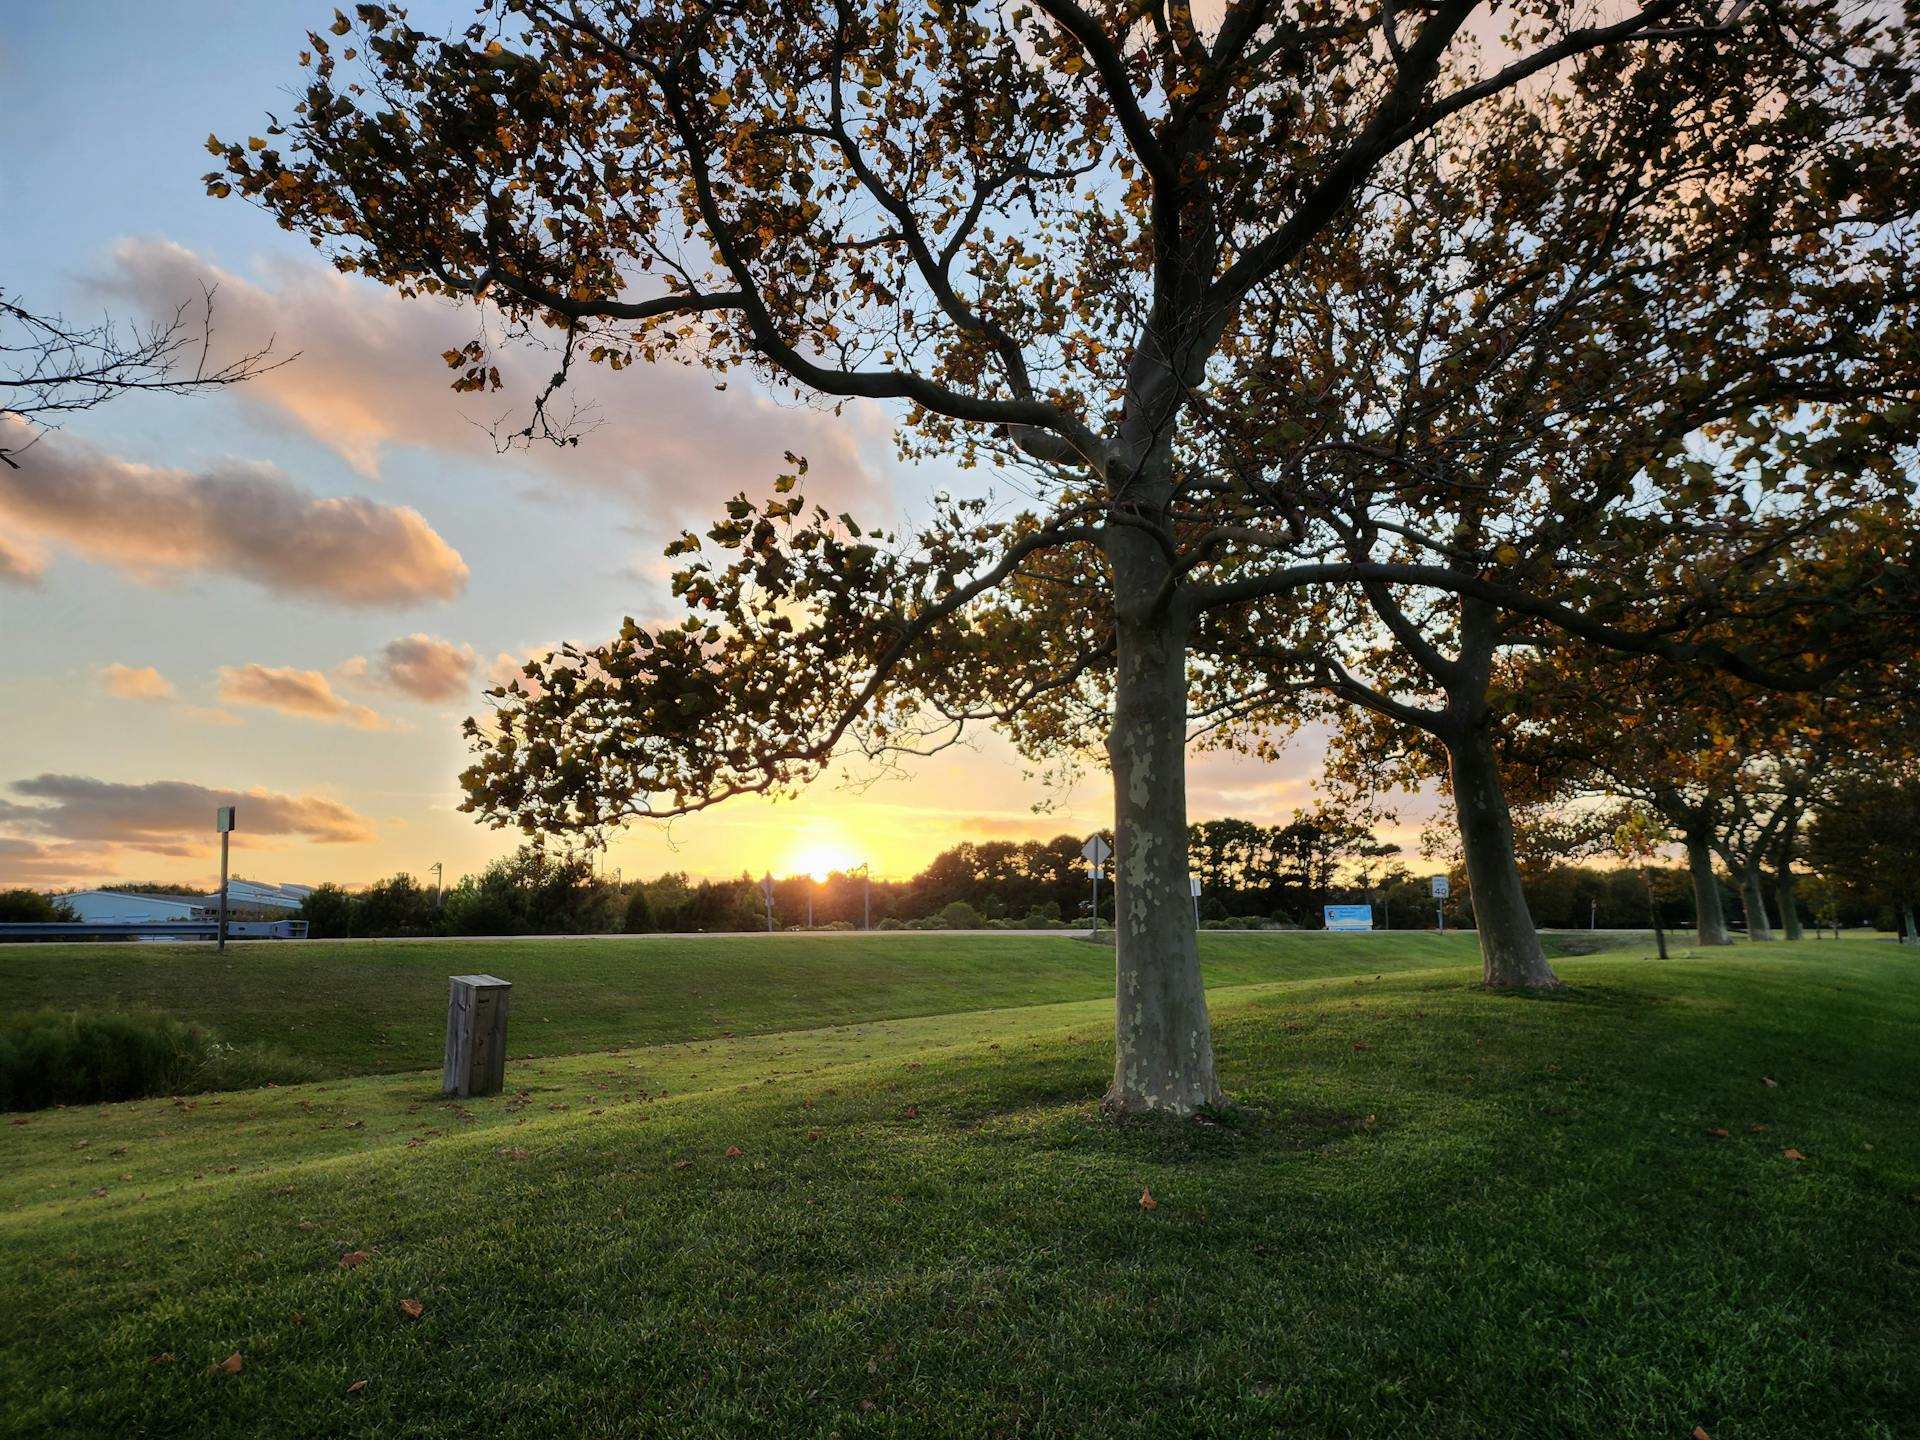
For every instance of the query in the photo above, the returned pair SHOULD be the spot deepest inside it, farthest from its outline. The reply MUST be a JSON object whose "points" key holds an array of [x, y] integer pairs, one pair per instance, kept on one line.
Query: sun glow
{"points": [[819, 857]]}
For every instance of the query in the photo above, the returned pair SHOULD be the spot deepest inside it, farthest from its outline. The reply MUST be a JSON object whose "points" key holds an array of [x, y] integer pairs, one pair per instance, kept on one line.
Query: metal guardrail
{"points": [[152, 929]]}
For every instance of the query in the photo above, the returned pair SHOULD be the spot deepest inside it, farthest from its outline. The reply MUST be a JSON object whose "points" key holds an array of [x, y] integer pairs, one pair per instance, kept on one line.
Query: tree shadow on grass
{"points": [[1227, 1135]]}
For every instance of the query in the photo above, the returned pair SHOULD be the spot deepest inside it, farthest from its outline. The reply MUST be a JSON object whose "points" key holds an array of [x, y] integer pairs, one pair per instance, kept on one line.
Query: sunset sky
{"points": [[297, 589]]}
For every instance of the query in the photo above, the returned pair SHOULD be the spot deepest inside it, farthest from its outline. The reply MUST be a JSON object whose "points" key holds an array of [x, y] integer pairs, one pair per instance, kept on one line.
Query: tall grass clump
{"points": [[78, 1057]]}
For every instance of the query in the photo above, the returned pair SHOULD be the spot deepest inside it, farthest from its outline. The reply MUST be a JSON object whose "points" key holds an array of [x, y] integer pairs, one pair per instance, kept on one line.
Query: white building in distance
{"points": [[105, 906], [256, 895]]}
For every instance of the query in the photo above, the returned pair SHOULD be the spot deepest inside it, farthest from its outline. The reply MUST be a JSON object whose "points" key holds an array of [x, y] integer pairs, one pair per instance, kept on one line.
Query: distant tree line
{"points": [[1250, 875]]}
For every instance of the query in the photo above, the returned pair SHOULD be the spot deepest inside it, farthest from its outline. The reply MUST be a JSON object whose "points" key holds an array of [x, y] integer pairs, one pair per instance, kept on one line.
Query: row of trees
{"points": [[1339, 359]]}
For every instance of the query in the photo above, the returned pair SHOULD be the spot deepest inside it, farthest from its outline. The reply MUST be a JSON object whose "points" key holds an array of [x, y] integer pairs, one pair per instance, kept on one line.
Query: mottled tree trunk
{"points": [[1510, 953], [1908, 934], [1710, 916], [1163, 1048], [1787, 902], [1754, 904]]}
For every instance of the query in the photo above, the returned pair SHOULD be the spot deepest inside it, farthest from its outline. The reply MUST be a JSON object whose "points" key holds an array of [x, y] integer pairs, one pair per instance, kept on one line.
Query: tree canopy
{"points": [[1257, 316]]}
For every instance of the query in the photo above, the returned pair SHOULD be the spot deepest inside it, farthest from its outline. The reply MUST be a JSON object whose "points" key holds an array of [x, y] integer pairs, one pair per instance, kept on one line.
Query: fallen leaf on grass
{"points": [[304, 1225], [298, 1318], [228, 1366], [912, 1112], [281, 1190], [412, 1309], [1770, 1084], [23, 1120], [514, 1154], [1700, 1433], [813, 1134], [1791, 1154], [683, 1164], [1147, 1202], [733, 1152], [1756, 1129], [353, 1258], [356, 1387], [1718, 1132], [165, 1357], [1555, 1110], [1361, 1045]]}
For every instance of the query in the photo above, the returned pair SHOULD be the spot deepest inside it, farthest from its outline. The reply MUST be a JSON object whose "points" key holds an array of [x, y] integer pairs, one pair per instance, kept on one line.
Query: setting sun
{"points": [[819, 856]]}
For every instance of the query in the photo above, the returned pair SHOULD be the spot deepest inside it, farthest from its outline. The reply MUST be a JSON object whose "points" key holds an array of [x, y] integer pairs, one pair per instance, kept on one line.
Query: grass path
{"points": [[1432, 1213]]}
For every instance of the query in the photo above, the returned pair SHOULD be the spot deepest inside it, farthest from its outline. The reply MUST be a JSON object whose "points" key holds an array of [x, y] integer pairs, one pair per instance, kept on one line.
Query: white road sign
{"points": [[1440, 887], [1096, 850]]}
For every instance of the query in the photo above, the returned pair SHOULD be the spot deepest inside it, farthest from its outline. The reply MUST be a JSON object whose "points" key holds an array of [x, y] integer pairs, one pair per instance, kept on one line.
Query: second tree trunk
{"points": [[1510, 953]]}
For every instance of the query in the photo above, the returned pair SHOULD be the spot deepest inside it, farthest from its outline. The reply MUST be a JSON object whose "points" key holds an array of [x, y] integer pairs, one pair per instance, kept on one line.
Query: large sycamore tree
{"points": [[1067, 239]]}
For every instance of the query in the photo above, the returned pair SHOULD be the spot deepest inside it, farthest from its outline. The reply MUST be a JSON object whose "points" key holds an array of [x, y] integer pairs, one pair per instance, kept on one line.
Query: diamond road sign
{"points": [[1096, 850]]}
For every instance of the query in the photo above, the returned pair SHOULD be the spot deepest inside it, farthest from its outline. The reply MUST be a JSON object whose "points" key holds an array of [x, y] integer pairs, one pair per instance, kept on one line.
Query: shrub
{"points": [[959, 916], [892, 922], [78, 1057], [639, 919], [31, 907]]}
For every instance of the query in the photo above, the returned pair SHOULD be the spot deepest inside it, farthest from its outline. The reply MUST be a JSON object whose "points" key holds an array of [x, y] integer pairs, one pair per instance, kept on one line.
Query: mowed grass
{"points": [[354, 1009], [1429, 1212]]}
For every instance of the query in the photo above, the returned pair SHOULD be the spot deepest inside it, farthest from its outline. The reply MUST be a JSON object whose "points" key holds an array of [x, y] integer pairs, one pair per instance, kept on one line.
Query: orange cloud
{"points": [[164, 817], [424, 667], [237, 519], [293, 692], [369, 377], [128, 682], [21, 563]]}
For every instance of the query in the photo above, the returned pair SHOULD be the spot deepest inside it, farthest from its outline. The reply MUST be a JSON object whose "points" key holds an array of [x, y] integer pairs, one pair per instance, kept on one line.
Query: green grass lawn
{"points": [[354, 1008], [1429, 1212]]}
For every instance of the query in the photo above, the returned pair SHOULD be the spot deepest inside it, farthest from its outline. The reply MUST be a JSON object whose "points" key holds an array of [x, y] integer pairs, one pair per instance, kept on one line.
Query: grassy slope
{"points": [[1500, 1217], [353, 1009]]}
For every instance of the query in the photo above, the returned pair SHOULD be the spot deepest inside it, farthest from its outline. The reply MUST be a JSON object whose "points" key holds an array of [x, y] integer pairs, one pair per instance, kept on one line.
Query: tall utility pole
{"points": [[866, 899], [223, 822], [439, 875]]}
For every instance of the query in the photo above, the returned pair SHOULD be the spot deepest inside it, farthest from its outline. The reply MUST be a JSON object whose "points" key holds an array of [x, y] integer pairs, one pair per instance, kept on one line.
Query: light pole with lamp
{"points": [[866, 896]]}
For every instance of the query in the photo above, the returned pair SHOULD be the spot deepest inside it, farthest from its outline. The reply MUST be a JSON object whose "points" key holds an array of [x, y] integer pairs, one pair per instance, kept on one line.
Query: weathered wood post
{"points": [[476, 1035]]}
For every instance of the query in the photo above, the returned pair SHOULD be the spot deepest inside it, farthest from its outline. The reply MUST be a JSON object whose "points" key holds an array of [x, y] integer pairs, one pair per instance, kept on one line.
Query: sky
{"points": [[288, 595]]}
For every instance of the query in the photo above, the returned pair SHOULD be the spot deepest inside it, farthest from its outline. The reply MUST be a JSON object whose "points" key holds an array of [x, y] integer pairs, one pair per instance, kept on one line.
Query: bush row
{"points": [[82, 1057]]}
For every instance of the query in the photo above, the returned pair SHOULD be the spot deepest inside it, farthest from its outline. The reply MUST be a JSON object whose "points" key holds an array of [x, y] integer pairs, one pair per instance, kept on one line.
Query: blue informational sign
{"points": [[1349, 917]]}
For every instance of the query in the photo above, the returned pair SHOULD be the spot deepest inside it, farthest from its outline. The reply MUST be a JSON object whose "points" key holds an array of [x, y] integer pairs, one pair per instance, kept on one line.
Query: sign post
{"points": [[1194, 882], [1440, 887], [223, 823], [1097, 852], [766, 895]]}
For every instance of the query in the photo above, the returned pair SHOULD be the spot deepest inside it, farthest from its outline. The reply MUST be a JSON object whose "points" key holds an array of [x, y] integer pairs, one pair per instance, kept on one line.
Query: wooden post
{"points": [[476, 1062]]}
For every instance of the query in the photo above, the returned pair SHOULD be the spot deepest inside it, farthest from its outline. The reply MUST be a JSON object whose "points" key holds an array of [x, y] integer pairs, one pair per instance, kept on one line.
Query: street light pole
{"points": [[223, 822], [866, 897]]}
